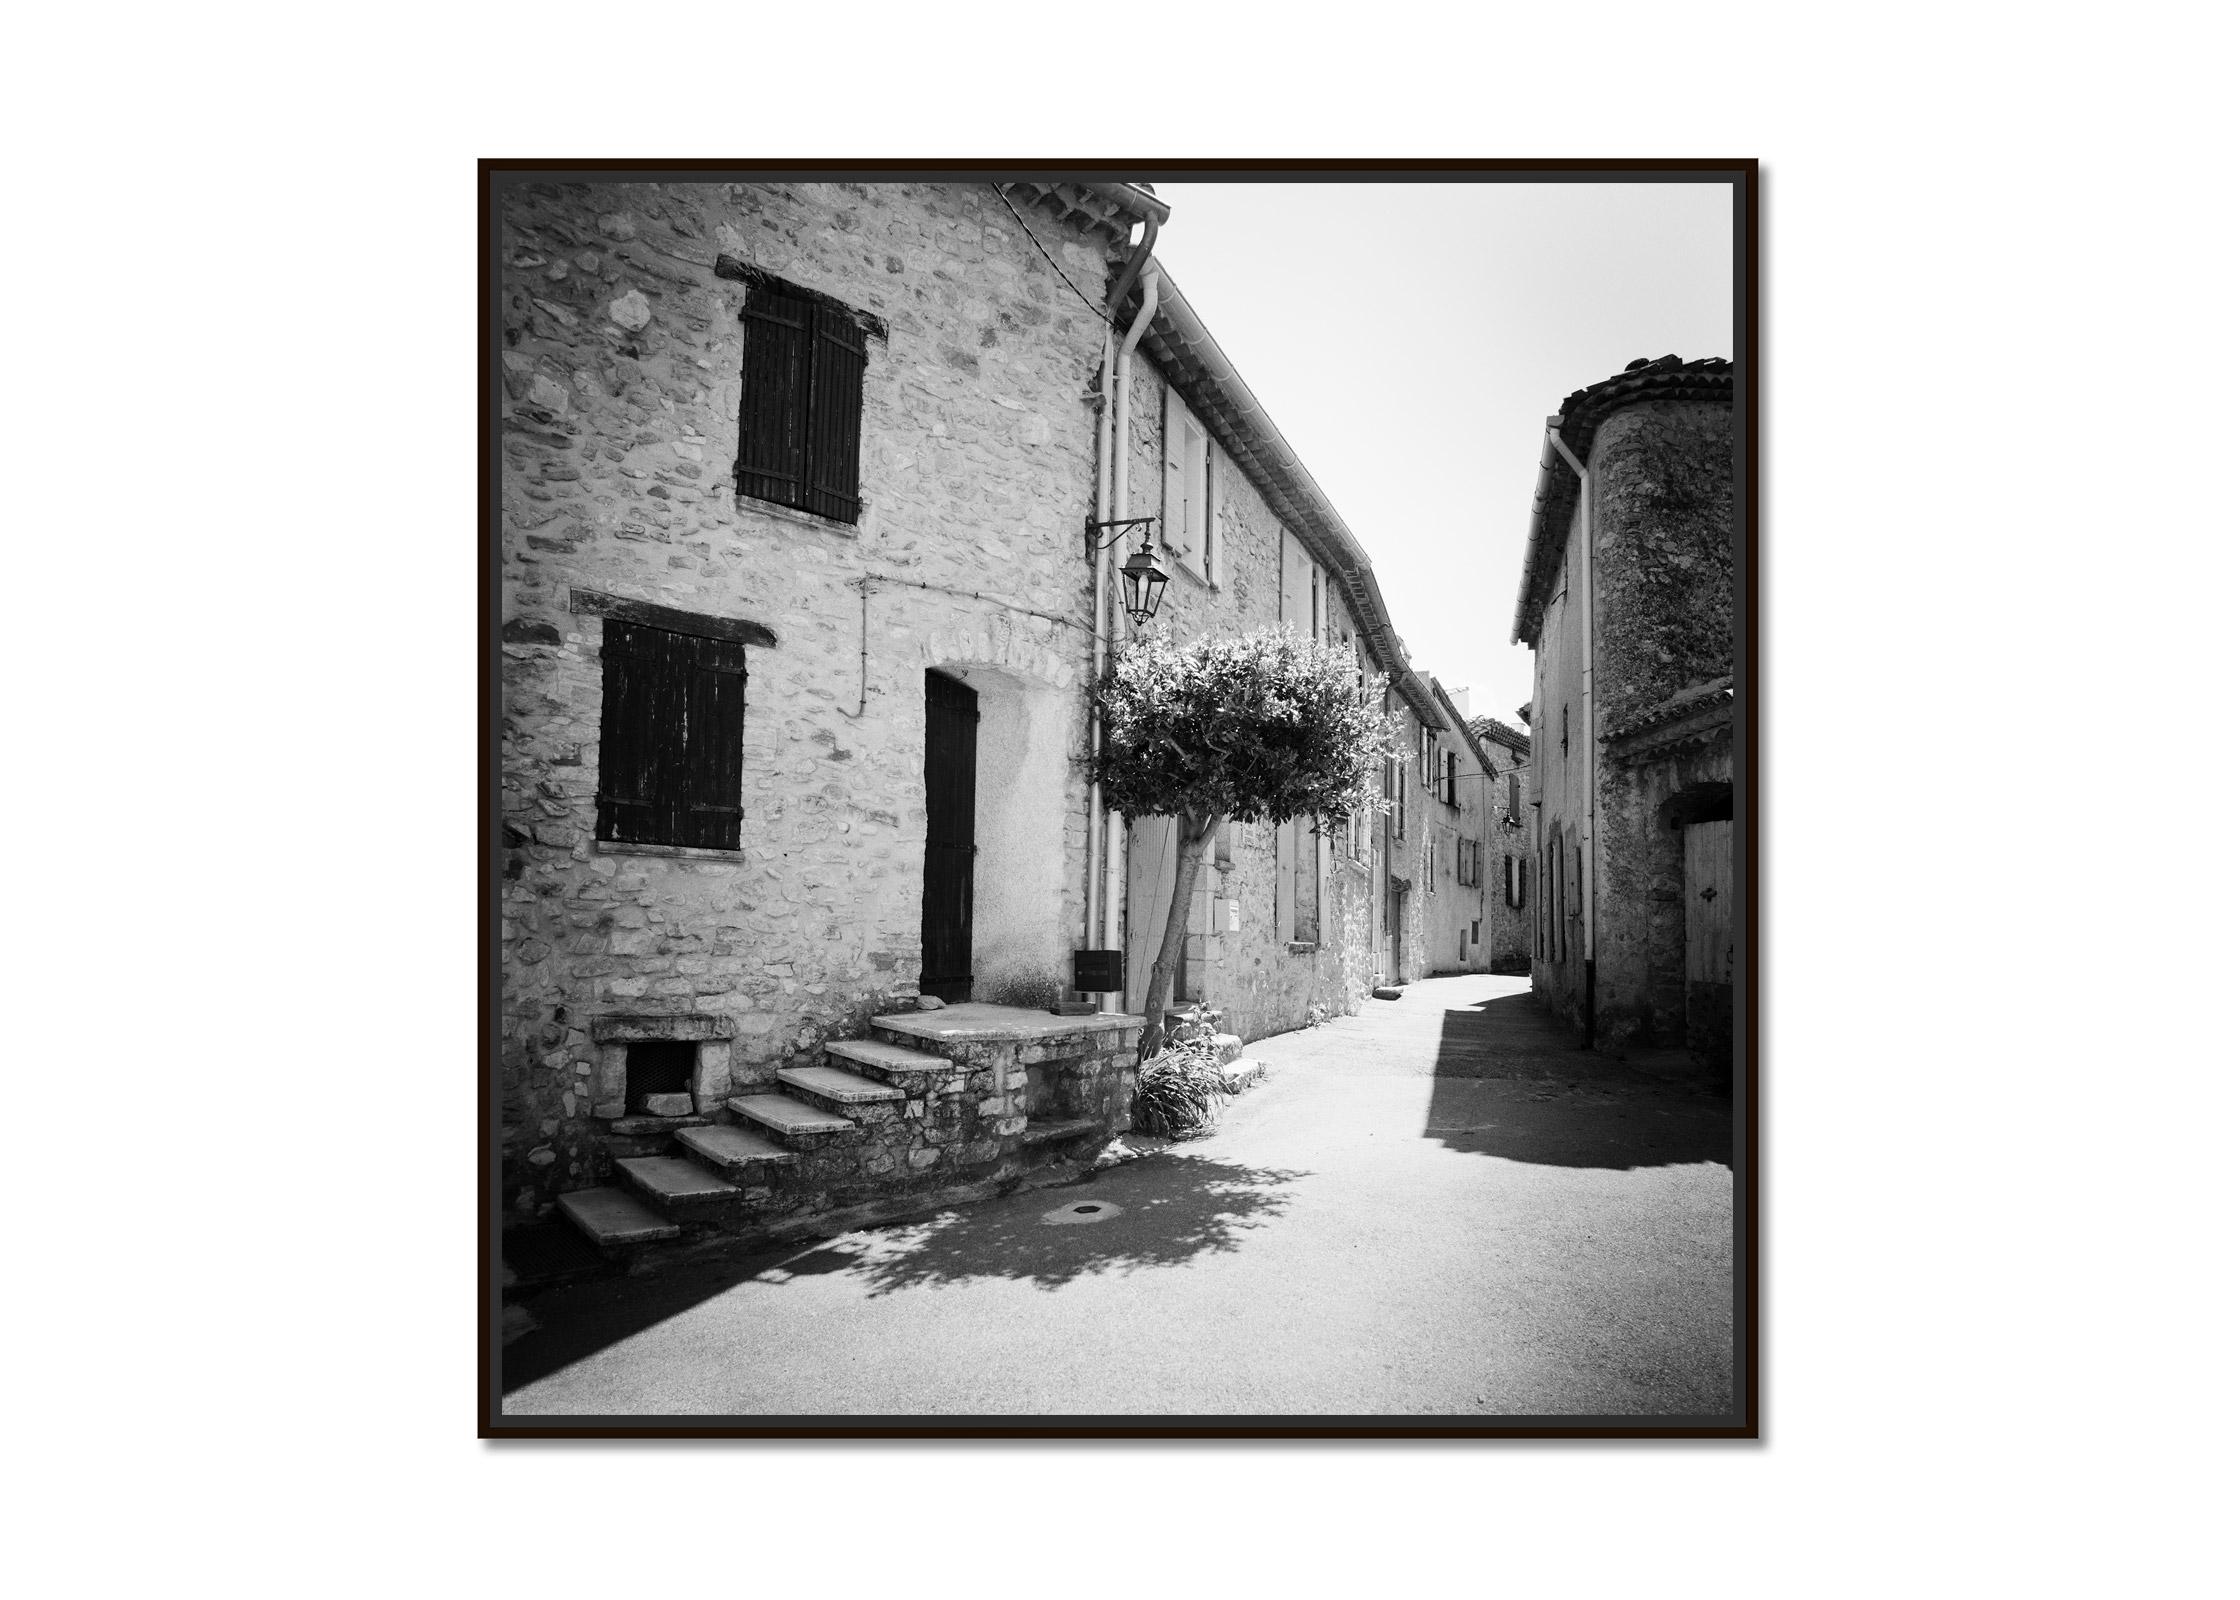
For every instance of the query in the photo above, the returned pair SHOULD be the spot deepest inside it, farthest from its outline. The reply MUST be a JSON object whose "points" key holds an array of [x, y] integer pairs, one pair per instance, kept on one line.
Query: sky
{"points": [[1410, 339]]}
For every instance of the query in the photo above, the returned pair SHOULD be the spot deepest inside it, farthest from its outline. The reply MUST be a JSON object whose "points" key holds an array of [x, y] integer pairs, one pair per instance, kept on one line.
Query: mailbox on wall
{"points": [[1099, 971]]}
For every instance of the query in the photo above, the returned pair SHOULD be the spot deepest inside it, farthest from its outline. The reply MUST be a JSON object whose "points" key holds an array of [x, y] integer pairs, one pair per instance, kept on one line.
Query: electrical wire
{"points": [[1037, 243]]}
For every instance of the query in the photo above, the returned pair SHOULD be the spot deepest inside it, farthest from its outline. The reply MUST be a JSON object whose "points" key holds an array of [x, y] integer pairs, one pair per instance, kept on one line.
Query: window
{"points": [[1189, 522], [1449, 773], [671, 725], [1466, 862], [1306, 892], [800, 401], [1516, 813]]}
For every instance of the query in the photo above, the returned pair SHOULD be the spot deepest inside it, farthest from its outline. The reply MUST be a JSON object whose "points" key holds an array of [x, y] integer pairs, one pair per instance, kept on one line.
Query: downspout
{"points": [[1586, 700], [1117, 422]]}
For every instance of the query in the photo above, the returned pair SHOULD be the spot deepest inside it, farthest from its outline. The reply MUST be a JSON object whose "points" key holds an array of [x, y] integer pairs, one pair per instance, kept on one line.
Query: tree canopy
{"points": [[1263, 727]]}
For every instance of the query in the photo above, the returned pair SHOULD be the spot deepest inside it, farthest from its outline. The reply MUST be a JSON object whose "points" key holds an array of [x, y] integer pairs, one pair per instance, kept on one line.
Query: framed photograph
{"points": [[1119, 801]]}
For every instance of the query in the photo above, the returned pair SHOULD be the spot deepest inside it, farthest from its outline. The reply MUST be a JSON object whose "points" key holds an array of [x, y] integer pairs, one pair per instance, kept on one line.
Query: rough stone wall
{"points": [[1664, 554], [620, 367], [1664, 622], [1559, 771], [1254, 976], [1640, 945]]}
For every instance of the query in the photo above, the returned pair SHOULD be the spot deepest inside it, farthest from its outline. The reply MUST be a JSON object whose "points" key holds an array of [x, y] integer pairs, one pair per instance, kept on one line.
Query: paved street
{"points": [[1440, 1206]]}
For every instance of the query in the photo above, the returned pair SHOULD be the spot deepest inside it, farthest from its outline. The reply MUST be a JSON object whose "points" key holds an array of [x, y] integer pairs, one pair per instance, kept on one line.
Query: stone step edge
{"points": [[717, 1148], [651, 1180], [1059, 1129], [768, 1117], [877, 1057], [611, 1217], [872, 1091]]}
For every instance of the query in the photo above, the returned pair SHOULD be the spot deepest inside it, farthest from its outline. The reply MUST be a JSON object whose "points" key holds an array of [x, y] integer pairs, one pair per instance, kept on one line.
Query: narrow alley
{"points": [[1441, 1206]]}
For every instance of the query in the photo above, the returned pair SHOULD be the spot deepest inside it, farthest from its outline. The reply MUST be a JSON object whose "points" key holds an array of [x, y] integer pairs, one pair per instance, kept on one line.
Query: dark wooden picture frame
{"points": [[730, 641]]}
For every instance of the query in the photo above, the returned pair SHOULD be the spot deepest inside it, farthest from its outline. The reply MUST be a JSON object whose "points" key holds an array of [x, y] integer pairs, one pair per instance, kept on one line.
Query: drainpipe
{"points": [[1107, 620], [1089, 906], [1586, 698], [1112, 505]]}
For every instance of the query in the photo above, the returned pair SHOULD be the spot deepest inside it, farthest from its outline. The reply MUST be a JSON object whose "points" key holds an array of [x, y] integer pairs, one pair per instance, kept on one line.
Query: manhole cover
{"points": [[1081, 1211]]}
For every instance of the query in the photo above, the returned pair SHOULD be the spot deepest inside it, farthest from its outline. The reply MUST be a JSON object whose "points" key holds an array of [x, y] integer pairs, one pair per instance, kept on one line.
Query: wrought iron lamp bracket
{"points": [[1091, 528]]}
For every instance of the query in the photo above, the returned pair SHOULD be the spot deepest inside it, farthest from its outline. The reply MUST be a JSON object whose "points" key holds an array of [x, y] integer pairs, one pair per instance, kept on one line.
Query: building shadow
{"points": [[1158, 1211], [1513, 1082]]}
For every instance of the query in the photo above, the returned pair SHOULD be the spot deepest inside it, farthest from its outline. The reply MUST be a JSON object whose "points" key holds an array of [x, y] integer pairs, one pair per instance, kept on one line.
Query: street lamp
{"points": [[1142, 584]]}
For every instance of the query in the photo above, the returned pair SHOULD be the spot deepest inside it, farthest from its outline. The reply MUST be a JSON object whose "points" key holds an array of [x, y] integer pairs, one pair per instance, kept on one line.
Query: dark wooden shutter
{"points": [[835, 415], [774, 398], [671, 723]]}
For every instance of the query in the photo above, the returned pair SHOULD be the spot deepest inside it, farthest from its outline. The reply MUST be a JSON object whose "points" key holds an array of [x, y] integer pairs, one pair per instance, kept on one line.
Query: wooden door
{"points": [[952, 744], [1707, 888]]}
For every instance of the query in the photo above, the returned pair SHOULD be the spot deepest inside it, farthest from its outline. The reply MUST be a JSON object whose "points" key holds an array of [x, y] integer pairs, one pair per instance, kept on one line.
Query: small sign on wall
{"points": [[1233, 923]]}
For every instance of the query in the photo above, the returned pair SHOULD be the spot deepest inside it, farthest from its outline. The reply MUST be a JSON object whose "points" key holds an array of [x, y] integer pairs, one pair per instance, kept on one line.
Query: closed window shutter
{"points": [[715, 714], [1214, 551], [774, 398], [670, 724], [1171, 511], [835, 415]]}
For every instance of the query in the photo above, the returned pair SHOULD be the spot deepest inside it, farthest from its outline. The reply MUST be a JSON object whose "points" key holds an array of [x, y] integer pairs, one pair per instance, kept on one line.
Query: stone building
{"points": [[1627, 601], [1510, 853], [1290, 920], [798, 623], [1470, 845]]}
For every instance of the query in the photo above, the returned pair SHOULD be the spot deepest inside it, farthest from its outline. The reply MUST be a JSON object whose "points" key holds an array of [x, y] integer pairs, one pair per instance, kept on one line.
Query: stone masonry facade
{"points": [[621, 373]]}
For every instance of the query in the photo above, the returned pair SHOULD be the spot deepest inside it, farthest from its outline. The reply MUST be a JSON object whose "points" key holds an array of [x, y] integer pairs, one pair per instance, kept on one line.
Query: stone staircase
{"points": [[971, 1096]]}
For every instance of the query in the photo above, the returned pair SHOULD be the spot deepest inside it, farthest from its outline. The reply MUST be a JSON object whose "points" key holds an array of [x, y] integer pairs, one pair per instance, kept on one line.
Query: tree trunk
{"points": [[1191, 834]]}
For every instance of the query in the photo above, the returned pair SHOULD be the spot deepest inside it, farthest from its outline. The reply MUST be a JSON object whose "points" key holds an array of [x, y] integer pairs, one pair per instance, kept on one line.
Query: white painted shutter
{"points": [[1171, 510], [1214, 568]]}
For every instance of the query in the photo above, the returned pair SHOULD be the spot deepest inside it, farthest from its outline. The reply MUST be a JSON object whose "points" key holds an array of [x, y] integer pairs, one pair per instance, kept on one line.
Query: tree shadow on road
{"points": [[1171, 1209], [1166, 1210]]}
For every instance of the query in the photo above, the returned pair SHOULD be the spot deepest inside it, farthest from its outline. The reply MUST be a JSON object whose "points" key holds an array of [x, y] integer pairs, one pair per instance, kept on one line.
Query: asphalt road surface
{"points": [[1441, 1207]]}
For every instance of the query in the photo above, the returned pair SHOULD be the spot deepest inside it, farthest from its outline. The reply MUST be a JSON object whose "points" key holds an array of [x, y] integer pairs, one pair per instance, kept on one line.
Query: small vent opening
{"points": [[660, 1068]]}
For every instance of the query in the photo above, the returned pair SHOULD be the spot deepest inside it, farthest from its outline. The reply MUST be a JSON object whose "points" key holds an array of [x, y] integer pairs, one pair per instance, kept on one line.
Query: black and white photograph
{"points": [[1196, 800], [1119, 801]]}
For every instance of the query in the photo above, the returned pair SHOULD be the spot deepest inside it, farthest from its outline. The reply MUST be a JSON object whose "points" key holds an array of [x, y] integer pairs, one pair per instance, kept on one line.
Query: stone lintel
{"points": [[643, 1028]]}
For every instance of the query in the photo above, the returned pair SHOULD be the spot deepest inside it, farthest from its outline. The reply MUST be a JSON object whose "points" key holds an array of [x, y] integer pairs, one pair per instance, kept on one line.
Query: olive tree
{"points": [[1262, 728]]}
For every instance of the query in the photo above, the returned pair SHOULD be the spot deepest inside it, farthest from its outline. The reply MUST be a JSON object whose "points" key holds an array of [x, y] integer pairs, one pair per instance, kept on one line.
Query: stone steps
{"points": [[1058, 1130], [612, 1219], [735, 1152], [788, 1117], [830, 1089], [930, 1098], [913, 1071], [670, 1181]]}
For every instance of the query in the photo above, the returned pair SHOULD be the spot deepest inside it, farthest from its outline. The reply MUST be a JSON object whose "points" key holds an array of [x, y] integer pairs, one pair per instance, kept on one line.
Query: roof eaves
{"points": [[1556, 493], [1185, 352]]}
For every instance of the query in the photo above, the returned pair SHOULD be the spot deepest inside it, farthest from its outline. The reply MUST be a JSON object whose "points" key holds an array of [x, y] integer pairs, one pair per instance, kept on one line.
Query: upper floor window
{"points": [[1189, 522], [801, 401]]}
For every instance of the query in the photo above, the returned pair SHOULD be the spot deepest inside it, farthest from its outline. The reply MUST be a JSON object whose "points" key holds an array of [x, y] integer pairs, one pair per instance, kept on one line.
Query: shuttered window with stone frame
{"points": [[671, 725], [801, 402]]}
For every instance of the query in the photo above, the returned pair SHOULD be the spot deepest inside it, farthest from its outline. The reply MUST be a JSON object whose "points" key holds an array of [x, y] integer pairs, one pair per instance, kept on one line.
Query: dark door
{"points": [[952, 737]]}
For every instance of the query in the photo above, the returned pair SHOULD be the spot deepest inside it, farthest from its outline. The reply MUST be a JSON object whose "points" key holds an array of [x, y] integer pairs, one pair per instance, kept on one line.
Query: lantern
{"points": [[1142, 584]]}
